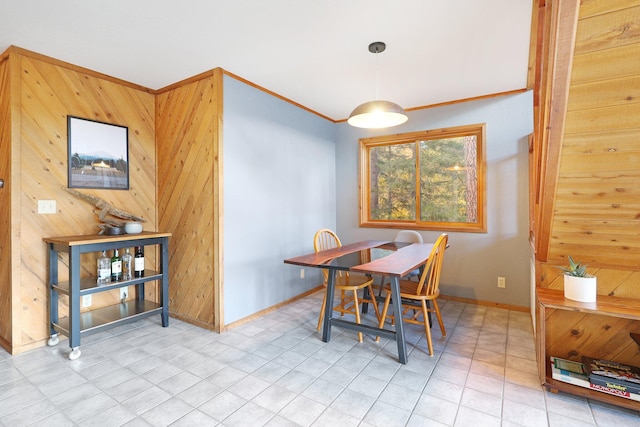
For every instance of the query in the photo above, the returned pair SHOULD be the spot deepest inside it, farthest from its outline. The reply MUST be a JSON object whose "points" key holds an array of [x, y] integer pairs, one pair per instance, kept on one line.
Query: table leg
{"points": [[74, 297], [397, 312], [328, 308], [164, 287], [53, 294]]}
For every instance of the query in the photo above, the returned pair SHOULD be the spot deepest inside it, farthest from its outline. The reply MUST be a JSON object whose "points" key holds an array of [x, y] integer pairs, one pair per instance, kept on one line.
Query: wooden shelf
{"points": [[555, 386], [102, 239], [95, 319], [606, 305], [89, 285], [548, 302]]}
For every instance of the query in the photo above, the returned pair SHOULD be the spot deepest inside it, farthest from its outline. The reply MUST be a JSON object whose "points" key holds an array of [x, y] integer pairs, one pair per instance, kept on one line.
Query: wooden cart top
{"points": [[91, 239]]}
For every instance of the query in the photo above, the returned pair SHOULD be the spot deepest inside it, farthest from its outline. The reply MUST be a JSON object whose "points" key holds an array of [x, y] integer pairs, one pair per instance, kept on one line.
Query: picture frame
{"points": [[98, 154]]}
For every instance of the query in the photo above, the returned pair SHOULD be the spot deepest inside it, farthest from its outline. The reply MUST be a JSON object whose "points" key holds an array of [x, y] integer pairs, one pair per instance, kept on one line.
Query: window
{"points": [[430, 180]]}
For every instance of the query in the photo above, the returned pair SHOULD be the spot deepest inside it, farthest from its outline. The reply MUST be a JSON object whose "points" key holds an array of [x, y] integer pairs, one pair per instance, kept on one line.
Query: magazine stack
{"points": [[602, 375]]}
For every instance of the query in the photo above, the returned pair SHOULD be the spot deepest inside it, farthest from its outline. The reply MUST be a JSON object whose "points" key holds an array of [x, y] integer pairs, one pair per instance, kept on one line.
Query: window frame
{"points": [[364, 172]]}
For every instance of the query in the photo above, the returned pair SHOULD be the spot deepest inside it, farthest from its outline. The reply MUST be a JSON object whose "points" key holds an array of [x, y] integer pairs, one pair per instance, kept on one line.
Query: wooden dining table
{"points": [[390, 259]]}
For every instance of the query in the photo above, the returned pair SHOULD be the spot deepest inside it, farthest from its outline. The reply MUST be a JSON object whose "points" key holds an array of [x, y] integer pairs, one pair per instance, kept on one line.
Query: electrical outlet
{"points": [[124, 291], [302, 273], [502, 282], [46, 206], [86, 301]]}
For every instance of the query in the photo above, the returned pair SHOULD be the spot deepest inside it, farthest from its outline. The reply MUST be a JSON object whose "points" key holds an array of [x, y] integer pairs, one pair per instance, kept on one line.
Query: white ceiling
{"points": [[313, 52]]}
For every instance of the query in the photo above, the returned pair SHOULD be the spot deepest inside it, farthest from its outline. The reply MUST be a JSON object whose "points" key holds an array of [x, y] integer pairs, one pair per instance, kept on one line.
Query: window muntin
{"points": [[424, 180]]}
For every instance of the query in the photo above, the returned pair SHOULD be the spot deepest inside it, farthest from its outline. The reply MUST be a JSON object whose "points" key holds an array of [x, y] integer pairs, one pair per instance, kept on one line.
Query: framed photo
{"points": [[98, 154]]}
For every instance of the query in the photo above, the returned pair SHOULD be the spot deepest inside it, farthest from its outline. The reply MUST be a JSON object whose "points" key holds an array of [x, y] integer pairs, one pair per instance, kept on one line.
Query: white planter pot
{"points": [[581, 289]]}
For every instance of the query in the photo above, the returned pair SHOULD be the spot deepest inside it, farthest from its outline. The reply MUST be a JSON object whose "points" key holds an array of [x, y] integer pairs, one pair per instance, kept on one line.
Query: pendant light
{"points": [[377, 114]]}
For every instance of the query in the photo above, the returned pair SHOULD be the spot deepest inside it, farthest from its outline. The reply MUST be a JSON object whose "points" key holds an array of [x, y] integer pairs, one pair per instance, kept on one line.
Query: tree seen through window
{"points": [[428, 180]]}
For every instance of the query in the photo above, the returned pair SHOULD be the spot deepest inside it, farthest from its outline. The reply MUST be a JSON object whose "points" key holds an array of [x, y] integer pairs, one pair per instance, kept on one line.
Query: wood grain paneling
{"points": [[187, 118], [572, 334], [596, 152], [606, 64], [596, 215], [598, 7], [49, 91], [613, 92], [5, 206], [615, 27]]}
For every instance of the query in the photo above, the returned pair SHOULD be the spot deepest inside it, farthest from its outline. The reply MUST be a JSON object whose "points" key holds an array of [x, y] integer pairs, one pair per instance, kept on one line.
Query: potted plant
{"points": [[578, 285]]}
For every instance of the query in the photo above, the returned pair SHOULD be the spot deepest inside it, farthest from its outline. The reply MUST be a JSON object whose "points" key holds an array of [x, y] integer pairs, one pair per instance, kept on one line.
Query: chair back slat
{"points": [[408, 236], [430, 279], [326, 239]]}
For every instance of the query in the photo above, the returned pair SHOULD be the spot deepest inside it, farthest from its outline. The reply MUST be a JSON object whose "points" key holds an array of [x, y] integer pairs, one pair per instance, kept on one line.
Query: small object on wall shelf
{"points": [[74, 325], [578, 284], [133, 227]]}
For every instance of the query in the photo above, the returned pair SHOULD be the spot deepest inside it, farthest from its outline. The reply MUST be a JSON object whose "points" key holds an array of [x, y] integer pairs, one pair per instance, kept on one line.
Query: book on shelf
{"points": [[613, 375], [569, 371], [615, 392], [575, 373]]}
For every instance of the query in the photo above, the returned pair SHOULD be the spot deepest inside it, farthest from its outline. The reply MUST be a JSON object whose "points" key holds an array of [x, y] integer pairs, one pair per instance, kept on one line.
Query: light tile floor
{"points": [[276, 371]]}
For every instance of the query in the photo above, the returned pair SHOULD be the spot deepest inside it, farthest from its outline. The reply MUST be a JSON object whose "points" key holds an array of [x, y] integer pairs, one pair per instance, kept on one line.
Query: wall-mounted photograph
{"points": [[98, 154]]}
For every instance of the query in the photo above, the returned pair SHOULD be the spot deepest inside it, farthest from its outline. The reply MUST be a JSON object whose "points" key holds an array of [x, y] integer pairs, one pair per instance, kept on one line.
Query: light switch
{"points": [[46, 206]]}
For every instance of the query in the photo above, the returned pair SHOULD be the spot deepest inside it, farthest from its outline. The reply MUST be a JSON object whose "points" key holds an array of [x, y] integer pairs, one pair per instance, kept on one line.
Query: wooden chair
{"points": [[409, 236], [404, 236], [415, 295], [347, 283]]}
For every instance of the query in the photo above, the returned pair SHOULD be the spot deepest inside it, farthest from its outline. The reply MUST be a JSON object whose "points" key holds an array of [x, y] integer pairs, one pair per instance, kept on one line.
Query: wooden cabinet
{"points": [[571, 329], [75, 323]]}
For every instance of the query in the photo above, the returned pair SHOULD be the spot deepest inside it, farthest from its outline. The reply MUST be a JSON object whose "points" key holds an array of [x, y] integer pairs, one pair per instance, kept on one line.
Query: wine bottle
{"points": [[127, 265], [138, 262], [116, 267], [104, 269]]}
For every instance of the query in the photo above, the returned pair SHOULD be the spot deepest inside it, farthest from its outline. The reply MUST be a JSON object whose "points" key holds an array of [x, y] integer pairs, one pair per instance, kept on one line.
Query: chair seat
{"points": [[352, 282], [409, 289]]}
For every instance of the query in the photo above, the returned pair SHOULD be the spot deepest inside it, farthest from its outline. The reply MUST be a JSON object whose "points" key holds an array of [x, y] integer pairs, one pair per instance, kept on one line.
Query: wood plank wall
{"points": [[50, 90], [188, 116], [597, 205], [5, 206]]}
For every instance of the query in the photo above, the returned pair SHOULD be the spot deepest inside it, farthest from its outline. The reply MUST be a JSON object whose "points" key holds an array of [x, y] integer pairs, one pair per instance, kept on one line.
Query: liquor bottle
{"points": [[116, 267], [127, 265], [138, 262], [104, 269]]}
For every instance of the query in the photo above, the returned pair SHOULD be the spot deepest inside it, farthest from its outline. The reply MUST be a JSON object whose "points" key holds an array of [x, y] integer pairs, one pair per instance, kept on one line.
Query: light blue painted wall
{"points": [[279, 188], [473, 261]]}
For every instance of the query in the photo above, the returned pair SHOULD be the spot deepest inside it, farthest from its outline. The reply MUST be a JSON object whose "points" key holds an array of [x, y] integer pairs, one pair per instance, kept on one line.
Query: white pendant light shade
{"points": [[377, 115]]}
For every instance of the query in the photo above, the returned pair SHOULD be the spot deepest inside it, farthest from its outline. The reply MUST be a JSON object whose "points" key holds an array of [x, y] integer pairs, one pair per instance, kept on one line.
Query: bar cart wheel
{"points": [[75, 353], [53, 340]]}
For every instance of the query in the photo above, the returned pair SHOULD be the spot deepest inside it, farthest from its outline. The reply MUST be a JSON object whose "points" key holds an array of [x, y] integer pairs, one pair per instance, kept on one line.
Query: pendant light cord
{"points": [[377, 70]]}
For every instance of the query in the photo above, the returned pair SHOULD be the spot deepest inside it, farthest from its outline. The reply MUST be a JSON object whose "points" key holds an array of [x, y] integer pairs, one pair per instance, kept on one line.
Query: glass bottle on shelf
{"points": [[138, 262], [116, 267], [127, 265], [104, 269]]}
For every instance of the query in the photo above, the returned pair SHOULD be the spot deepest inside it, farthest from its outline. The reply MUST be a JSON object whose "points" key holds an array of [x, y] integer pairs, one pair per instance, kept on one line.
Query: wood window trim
{"points": [[480, 226]]}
